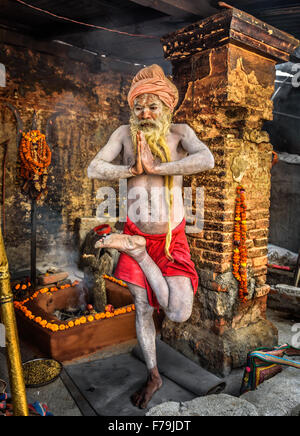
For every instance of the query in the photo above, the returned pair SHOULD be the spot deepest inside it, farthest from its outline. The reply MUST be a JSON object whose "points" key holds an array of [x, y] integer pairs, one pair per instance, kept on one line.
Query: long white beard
{"points": [[155, 131]]}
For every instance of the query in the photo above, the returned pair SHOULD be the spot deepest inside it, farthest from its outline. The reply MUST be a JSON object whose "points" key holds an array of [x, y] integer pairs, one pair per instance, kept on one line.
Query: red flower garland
{"points": [[240, 249]]}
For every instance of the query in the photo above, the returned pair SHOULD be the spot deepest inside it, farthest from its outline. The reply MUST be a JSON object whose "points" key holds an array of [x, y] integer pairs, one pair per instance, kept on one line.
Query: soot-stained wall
{"points": [[82, 102]]}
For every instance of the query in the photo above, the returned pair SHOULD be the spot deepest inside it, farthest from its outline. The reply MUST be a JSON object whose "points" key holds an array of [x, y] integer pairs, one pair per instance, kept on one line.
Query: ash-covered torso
{"points": [[153, 218], [154, 163]]}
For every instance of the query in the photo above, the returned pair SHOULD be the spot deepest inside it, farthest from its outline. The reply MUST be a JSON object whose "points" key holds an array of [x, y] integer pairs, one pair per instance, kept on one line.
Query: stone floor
{"points": [[61, 403]]}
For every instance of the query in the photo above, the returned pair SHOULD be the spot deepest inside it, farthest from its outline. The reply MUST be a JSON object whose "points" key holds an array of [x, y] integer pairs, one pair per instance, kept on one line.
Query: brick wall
{"points": [[231, 126], [226, 107]]}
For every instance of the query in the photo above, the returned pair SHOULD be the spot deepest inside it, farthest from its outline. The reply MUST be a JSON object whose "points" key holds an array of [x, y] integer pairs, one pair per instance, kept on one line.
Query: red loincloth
{"points": [[129, 270]]}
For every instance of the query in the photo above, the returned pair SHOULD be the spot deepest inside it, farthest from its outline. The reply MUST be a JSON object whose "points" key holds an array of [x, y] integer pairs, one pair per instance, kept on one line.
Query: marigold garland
{"points": [[113, 279], [35, 158], [54, 327], [240, 250]]}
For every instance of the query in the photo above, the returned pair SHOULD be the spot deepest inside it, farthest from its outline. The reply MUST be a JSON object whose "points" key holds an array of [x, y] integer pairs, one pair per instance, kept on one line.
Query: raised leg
{"points": [[174, 294], [181, 298]]}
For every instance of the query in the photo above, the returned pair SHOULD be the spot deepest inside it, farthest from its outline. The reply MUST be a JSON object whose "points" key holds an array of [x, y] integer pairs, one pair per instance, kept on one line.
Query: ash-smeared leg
{"points": [[146, 334], [135, 246], [180, 303], [174, 294], [143, 396]]}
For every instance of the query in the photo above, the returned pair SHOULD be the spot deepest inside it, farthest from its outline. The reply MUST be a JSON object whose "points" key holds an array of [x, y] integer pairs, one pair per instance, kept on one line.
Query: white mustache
{"points": [[148, 123]]}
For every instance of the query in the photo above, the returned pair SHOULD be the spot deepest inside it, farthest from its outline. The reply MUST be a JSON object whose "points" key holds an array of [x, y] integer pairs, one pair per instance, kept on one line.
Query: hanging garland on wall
{"points": [[240, 249], [35, 158]]}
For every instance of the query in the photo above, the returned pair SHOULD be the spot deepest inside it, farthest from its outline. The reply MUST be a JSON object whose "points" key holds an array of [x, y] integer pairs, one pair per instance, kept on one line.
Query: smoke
{"points": [[60, 258]]}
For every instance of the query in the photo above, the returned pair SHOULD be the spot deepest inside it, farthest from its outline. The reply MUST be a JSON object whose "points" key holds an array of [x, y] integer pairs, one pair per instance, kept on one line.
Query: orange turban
{"points": [[152, 80]]}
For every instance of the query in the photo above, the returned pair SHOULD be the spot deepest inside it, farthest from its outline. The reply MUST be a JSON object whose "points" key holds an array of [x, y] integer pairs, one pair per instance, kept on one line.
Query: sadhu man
{"points": [[155, 257]]}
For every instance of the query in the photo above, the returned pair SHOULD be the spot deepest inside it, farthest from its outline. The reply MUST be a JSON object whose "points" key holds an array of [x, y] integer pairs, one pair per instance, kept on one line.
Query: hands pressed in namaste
{"points": [[144, 160]]}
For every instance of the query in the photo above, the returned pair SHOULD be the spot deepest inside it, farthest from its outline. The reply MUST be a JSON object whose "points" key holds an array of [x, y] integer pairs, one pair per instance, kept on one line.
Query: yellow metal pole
{"points": [[14, 362]]}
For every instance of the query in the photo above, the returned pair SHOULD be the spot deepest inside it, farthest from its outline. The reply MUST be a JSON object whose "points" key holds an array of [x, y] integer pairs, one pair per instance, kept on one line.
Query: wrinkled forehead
{"points": [[147, 99]]}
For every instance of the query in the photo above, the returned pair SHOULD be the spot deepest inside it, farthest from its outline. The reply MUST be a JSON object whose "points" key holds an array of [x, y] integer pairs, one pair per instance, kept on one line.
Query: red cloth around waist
{"points": [[129, 270]]}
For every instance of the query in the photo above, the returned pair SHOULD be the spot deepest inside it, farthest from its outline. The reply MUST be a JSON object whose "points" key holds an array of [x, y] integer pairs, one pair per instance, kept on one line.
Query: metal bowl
{"points": [[41, 361]]}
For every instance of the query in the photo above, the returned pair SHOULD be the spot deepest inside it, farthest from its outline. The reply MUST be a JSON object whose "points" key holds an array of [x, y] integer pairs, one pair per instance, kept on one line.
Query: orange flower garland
{"points": [[21, 305], [240, 250], [35, 157], [22, 286], [113, 279]]}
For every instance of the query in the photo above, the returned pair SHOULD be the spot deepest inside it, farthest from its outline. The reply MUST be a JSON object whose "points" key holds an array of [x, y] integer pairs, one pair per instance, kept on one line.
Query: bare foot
{"points": [[143, 396], [133, 245]]}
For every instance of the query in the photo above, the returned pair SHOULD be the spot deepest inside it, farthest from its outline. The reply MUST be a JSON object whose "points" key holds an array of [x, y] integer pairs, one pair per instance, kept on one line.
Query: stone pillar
{"points": [[224, 67]]}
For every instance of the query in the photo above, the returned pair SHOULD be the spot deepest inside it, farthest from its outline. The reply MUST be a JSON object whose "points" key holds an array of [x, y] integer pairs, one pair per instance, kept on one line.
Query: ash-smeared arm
{"points": [[199, 156], [101, 168]]}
